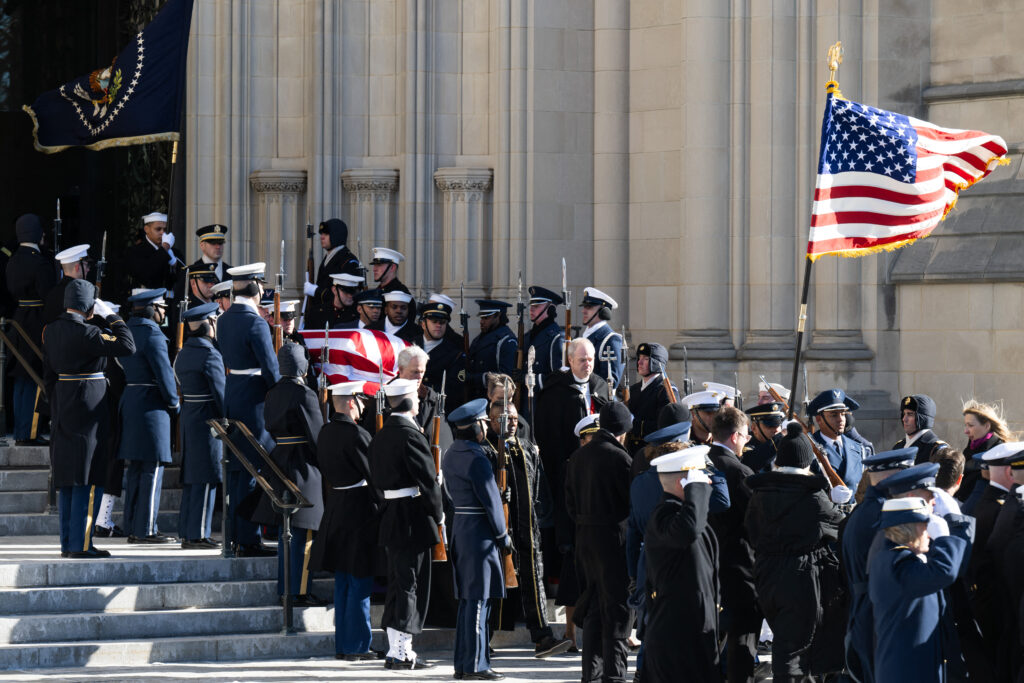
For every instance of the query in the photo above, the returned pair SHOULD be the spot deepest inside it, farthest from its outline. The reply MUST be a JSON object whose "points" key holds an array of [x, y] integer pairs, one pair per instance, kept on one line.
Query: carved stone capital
{"points": [[370, 183], [278, 181], [465, 183]]}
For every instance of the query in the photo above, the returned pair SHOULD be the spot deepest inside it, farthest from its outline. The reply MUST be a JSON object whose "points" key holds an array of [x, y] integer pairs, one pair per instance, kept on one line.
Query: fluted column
{"points": [[465, 228], [371, 203], [278, 212]]}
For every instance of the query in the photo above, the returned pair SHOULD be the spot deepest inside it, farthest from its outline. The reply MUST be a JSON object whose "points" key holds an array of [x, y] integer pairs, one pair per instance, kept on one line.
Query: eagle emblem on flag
{"points": [[103, 87]]}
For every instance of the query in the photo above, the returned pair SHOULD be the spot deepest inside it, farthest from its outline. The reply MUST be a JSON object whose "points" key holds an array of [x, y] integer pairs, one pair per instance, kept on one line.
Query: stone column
{"points": [[465, 228], [371, 209], [278, 212]]}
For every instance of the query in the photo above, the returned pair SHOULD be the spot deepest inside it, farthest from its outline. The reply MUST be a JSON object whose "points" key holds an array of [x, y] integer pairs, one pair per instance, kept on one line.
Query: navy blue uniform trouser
{"points": [[24, 407], [352, 613], [77, 507], [144, 480], [240, 484], [471, 636], [300, 547], [195, 520]]}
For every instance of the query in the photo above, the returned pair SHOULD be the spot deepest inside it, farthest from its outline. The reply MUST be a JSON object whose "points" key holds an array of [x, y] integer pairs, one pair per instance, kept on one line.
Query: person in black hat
{"points": [[479, 537], [446, 359], [30, 277], [494, 350], [765, 432], [199, 369], [830, 409], [149, 400], [76, 354], [648, 395], [597, 500], [337, 259], [211, 250], [546, 335], [368, 303], [208, 270], [791, 521], [596, 308], [917, 415]]}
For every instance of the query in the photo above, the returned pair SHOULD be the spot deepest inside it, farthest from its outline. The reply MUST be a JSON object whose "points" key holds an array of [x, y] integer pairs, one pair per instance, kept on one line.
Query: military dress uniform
{"points": [[478, 535], [844, 454], [648, 396], [320, 305], [30, 276], [382, 255], [199, 369], [607, 342], [493, 351], [150, 265], [446, 359], [53, 304], [760, 455], [546, 336], [149, 399], [924, 439], [76, 354], [248, 351]]}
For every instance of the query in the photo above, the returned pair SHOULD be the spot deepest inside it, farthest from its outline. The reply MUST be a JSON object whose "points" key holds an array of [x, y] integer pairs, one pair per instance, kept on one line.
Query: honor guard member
{"points": [[586, 428], [597, 500], [153, 262], [412, 365], [765, 431], [401, 465], [289, 320], [385, 274], [479, 536], [73, 266], [856, 539], [368, 305], [830, 409], [447, 360], [438, 298], [30, 277], [596, 314], [682, 560], [396, 319], [727, 392], [76, 354], [346, 543], [337, 259], [494, 350], [703, 405], [220, 293], [211, 250], [917, 415], [199, 369], [248, 351], [546, 335], [150, 398], [293, 418], [647, 396], [765, 396], [202, 277], [905, 580], [344, 288]]}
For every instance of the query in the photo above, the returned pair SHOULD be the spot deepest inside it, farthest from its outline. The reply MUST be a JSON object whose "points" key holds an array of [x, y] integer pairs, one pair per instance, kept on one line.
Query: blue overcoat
{"points": [[849, 465], [149, 397], [547, 339], [199, 369], [603, 338], [858, 533], [479, 520]]}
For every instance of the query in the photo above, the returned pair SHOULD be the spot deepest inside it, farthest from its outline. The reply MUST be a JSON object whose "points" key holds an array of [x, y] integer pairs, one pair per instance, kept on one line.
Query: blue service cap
{"points": [[904, 511], [369, 297], [899, 459], [468, 413], [917, 477], [540, 295], [147, 297], [680, 431], [201, 312], [831, 399], [491, 306]]}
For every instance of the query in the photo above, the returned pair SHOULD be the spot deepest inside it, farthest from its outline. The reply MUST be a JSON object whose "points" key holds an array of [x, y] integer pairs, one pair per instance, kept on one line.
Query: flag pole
{"points": [[835, 58]]}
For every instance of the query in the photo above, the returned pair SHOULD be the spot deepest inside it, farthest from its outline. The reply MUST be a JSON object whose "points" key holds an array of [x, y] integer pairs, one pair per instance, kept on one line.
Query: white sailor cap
{"points": [[592, 296], [154, 217], [588, 425], [779, 389], [349, 389], [346, 279], [221, 289], [73, 254], [384, 255], [250, 271], [397, 295], [692, 458], [704, 400], [401, 387], [439, 298], [723, 389]]}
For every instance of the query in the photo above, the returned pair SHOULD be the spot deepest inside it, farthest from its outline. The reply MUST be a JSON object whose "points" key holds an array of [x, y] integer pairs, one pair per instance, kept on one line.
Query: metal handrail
{"points": [[24, 335], [33, 375]]}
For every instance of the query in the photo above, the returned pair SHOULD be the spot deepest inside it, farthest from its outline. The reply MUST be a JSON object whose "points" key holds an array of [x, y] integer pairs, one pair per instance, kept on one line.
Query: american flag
{"points": [[885, 179], [355, 355]]}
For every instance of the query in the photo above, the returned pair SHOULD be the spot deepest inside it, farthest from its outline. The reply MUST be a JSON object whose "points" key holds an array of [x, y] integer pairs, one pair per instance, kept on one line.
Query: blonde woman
{"points": [[985, 428]]}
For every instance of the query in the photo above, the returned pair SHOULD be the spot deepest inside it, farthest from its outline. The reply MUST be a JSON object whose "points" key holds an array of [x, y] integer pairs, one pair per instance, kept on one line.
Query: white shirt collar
{"points": [[647, 382], [430, 345], [998, 486], [389, 327], [915, 436], [591, 329], [151, 243], [719, 443], [332, 252], [248, 301], [30, 245], [408, 416]]}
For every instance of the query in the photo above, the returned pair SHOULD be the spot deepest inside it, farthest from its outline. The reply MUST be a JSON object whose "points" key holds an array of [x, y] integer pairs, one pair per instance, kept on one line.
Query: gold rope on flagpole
{"points": [[835, 58]]}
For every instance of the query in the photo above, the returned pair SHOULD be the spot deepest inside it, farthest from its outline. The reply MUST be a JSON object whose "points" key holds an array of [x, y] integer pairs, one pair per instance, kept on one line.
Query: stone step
{"points": [[24, 479], [23, 501], [25, 456], [42, 524], [145, 597], [188, 567]]}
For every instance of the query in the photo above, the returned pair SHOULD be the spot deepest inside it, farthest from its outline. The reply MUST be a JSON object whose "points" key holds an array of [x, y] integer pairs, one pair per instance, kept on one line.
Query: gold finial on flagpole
{"points": [[835, 58]]}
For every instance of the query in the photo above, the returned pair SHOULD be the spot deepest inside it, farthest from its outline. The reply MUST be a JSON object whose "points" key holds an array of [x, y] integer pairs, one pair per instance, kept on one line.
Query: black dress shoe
{"points": [[91, 553], [255, 550], [392, 663], [488, 675], [65, 554], [152, 538], [361, 657], [212, 543], [550, 646], [200, 544], [306, 600], [31, 442], [104, 532]]}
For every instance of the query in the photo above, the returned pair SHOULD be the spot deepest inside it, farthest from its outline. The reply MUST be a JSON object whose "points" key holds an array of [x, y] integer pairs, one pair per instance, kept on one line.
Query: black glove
{"points": [[505, 544]]}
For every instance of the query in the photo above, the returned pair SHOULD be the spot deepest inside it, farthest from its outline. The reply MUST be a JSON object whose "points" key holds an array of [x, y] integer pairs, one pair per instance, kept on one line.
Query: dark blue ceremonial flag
{"points": [[136, 99]]}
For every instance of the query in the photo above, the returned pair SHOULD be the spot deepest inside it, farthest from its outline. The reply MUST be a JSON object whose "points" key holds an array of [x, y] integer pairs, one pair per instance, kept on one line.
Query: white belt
{"points": [[359, 484], [246, 371], [408, 492]]}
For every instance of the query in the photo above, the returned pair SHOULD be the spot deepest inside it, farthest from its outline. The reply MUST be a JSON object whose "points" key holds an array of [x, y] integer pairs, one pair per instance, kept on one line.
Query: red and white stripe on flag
{"points": [[885, 179], [355, 355]]}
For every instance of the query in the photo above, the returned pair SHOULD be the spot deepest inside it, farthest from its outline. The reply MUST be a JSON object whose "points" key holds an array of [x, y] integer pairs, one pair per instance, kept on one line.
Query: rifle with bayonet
{"points": [[322, 379], [182, 307], [530, 380], [608, 357], [739, 393], [501, 477], [521, 336], [381, 402], [439, 553], [687, 382], [807, 399], [310, 271], [568, 317], [464, 321], [57, 223], [278, 329], [101, 267], [625, 367]]}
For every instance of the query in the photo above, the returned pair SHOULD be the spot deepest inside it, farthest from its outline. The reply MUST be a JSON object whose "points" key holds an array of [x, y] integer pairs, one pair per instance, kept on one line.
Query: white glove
{"points": [[694, 477], [102, 309], [945, 504], [937, 527], [308, 288], [840, 495], [169, 239]]}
